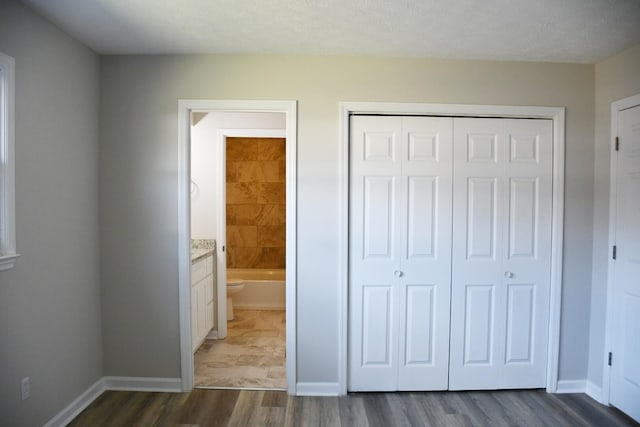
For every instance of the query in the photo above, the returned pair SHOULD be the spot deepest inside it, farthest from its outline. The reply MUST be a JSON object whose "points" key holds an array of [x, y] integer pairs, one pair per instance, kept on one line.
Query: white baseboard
{"points": [[572, 386], [317, 389], [143, 384], [595, 392], [72, 410]]}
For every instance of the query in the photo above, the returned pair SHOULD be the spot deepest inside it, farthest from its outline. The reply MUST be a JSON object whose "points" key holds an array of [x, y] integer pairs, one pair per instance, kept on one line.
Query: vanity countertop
{"points": [[201, 248]]}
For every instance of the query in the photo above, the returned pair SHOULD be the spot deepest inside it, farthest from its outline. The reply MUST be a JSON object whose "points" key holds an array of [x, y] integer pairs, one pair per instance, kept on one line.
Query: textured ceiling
{"points": [[583, 31]]}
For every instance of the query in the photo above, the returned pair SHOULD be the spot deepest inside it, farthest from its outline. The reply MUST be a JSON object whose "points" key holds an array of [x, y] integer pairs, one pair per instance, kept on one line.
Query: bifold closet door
{"points": [[399, 253], [501, 253]]}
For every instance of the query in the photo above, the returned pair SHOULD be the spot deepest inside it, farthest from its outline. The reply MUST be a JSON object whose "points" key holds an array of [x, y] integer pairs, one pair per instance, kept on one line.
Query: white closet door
{"points": [[399, 253], [425, 253], [625, 366], [501, 253], [374, 252]]}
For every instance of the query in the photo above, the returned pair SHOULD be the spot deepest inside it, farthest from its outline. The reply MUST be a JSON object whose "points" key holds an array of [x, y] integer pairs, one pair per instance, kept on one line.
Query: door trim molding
{"points": [[616, 108], [556, 114], [185, 107]]}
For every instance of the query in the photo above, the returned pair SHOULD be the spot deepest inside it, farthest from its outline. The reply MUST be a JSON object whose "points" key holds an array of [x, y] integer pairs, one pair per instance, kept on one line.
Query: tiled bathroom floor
{"points": [[252, 355]]}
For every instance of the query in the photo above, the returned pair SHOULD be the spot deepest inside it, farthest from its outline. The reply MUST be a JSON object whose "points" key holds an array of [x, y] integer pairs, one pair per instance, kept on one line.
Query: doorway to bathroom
{"points": [[240, 200]]}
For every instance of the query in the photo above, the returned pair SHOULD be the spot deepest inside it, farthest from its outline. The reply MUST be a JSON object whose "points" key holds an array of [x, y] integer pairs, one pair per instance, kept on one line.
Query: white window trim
{"points": [[8, 253]]}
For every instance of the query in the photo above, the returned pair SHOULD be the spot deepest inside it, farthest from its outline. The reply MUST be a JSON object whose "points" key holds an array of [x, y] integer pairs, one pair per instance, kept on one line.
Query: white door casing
{"points": [[501, 253], [185, 108], [555, 114], [400, 224], [625, 338]]}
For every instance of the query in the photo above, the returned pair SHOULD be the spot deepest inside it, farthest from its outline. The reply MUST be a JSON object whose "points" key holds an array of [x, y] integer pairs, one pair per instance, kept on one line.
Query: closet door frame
{"points": [[556, 114]]}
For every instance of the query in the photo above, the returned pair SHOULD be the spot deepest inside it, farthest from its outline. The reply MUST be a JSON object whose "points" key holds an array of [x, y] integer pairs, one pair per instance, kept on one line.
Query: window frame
{"points": [[8, 254]]}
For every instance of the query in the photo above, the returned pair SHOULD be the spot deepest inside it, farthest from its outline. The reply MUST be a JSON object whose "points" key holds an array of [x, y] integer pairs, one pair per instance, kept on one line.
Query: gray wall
{"points": [[50, 302], [617, 77], [138, 184]]}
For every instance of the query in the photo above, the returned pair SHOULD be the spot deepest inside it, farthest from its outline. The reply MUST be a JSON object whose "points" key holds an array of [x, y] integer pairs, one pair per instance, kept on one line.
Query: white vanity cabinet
{"points": [[202, 282]]}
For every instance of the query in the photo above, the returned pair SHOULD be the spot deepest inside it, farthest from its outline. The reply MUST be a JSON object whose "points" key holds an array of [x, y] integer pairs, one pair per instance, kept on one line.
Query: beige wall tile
{"points": [[243, 257], [270, 258], [271, 215], [243, 214], [253, 171], [271, 236], [270, 170], [282, 171], [232, 176], [242, 236], [242, 193], [256, 214], [241, 149], [271, 148], [271, 193]]}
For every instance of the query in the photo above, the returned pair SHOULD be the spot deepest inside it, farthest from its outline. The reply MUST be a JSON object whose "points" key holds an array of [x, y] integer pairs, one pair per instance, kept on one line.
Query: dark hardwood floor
{"points": [[275, 408]]}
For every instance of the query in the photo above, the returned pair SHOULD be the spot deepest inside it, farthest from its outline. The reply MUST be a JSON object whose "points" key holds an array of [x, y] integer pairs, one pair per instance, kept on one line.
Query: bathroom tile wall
{"points": [[256, 202]]}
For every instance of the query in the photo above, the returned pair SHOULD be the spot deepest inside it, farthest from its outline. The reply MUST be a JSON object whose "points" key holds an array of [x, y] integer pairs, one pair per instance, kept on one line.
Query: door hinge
{"points": [[610, 358], [617, 143], [615, 250]]}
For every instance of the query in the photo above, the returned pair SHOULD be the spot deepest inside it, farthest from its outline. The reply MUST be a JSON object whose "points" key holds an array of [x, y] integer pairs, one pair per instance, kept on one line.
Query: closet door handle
{"points": [[398, 273], [508, 274]]}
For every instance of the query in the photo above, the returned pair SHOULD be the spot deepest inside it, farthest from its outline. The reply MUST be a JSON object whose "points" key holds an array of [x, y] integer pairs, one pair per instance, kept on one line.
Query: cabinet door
{"points": [[209, 302], [209, 324], [501, 253], [202, 310], [194, 318]]}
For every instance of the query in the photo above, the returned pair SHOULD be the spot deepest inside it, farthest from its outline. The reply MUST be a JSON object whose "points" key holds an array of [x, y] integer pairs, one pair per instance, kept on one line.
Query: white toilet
{"points": [[233, 287]]}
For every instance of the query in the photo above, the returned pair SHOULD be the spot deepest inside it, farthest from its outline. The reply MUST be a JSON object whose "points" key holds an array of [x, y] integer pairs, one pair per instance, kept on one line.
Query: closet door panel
{"points": [[425, 253], [378, 217], [477, 253], [376, 325], [419, 326], [520, 314], [374, 252], [481, 218], [478, 324], [400, 228], [527, 261], [502, 239], [523, 221], [422, 216]]}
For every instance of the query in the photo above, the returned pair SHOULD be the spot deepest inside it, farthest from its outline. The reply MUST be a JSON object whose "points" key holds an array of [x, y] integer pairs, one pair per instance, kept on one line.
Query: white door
{"points": [[625, 366], [399, 253], [501, 253]]}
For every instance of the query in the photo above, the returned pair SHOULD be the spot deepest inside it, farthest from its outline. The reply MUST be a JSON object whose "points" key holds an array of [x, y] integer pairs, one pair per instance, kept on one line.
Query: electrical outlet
{"points": [[24, 388]]}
